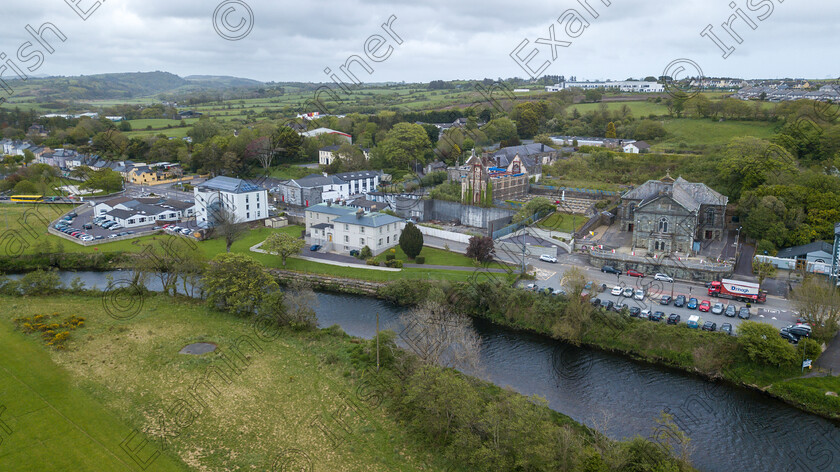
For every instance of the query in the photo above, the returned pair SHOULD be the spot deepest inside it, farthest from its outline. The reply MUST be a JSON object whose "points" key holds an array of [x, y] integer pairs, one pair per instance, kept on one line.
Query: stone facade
{"points": [[484, 182], [667, 216]]}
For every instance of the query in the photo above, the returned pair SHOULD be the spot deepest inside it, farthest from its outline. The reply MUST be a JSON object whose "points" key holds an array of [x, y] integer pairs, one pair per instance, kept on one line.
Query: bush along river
{"points": [[731, 429]]}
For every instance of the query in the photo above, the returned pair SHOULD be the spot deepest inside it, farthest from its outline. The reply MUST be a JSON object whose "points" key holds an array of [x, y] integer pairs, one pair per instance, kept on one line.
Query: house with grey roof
{"points": [[534, 156], [313, 189], [134, 212], [817, 252], [227, 195], [671, 216], [341, 229]]}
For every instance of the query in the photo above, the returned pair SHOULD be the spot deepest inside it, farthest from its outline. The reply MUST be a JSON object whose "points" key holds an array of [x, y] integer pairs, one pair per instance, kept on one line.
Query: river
{"points": [[731, 429]]}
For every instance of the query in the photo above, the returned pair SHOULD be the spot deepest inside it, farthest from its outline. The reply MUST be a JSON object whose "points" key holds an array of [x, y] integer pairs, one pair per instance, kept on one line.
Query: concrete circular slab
{"points": [[197, 349]]}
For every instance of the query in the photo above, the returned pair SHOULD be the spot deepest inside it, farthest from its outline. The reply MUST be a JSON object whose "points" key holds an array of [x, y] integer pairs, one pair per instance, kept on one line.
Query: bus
{"points": [[28, 198]]}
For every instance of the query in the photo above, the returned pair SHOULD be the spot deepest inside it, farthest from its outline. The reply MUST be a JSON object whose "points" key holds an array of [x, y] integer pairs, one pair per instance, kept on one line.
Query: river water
{"points": [[731, 429]]}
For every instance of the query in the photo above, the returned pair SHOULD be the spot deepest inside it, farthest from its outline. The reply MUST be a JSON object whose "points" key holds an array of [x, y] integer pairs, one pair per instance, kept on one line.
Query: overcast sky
{"points": [[441, 39]]}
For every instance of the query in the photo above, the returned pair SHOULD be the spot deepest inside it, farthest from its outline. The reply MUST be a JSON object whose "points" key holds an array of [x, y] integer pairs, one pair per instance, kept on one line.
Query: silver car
{"points": [[717, 308]]}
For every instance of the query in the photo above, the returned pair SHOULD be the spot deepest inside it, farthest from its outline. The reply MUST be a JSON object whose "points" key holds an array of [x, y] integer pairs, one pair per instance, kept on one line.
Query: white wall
{"points": [[442, 234]]}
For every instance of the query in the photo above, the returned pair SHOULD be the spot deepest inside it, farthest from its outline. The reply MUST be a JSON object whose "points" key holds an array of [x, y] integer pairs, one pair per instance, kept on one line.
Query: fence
{"points": [[685, 263], [584, 191], [791, 264], [517, 226]]}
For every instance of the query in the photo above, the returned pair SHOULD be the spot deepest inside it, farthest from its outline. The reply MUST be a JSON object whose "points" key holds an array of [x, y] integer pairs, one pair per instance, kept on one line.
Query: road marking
{"points": [[761, 316], [773, 318]]}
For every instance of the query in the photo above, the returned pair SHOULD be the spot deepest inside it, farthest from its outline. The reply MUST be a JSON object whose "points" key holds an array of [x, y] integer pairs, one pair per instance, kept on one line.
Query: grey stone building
{"points": [[669, 216]]}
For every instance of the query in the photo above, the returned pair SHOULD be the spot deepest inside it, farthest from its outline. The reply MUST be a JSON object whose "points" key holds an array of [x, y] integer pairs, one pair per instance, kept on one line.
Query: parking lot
{"points": [[84, 224]]}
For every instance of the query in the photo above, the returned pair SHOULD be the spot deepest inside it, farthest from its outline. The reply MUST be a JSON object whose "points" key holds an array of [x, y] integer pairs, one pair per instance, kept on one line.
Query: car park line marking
{"points": [[773, 318]]}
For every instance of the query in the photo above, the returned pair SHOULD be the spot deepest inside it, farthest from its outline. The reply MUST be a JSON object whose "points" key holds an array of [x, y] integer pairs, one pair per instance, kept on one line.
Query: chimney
{"points": [[360, 213], [329, 203], [326, 175]]}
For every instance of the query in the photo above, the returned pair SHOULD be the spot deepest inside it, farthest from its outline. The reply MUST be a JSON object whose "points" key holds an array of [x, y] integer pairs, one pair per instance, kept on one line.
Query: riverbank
{"points": [[310, 393]]}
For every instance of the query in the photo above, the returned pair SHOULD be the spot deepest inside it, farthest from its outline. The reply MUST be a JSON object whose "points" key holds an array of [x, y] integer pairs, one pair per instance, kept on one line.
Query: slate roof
{"points": [[317, 180], [229, 184], [371, 220], [364, 174], [336, 210], [805, 249], [322, 226], [689, 195]]}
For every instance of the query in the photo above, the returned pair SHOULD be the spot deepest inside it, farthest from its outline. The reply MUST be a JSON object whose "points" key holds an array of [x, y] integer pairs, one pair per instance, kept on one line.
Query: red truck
{"points": [[735, 289]]}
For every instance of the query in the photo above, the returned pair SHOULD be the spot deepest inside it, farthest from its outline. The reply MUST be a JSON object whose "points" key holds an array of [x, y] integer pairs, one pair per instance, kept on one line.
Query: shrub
{"points": [[366, 253], [395, 263], [420, 259], [390, 257], [411, 241], [372, 261]]}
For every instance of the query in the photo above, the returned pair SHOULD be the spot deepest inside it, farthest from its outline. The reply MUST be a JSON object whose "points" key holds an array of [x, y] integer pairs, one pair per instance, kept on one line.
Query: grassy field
{"points": [[159, 123], [20, 224], [702, 133], [563, 222], [55, 424], [640, 109], [268, 411], [436, 256]]}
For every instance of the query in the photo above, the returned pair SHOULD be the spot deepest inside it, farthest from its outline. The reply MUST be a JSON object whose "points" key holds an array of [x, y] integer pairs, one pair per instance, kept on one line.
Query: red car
{"points": [[705, 306], [634, 273]]}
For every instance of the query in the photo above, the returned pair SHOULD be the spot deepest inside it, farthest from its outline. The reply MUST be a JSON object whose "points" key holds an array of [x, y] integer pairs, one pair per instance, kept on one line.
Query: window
{"points": [[710, 216], [346, 238], [361, 241], [248, 215], [380, 241], [346, 227], [246, 198], [258, 214], [663, 225], [258, 206], [362, 229], [388, 240], [258, 197], [247, 207]]}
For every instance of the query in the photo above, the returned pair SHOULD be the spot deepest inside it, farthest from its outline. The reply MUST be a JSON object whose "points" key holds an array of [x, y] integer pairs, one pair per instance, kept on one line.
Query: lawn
{"points": [[26, 226], [55, 424], [158, 123], [563, 222], [283, 401], [436, 256], [701, 133], [640, 109]]}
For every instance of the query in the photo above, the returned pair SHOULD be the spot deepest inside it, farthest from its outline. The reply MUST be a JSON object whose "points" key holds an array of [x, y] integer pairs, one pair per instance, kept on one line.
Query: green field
{"points": [[70, 410], [640, 109], [702, 133], [563, 222], [55, 423], [158, 123]]}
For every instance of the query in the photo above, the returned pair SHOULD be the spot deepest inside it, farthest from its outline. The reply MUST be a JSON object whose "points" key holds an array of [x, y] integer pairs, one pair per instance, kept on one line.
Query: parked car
{"points": [[628, 292], [87, 226], [532, 287], [634, 311], [639, 295], [730, 311], [709, 326], [547, 291], [595, 301], [607, 304], [86, 238], [616, 290], [547, 258], [644, 314], [692, 303], [726, 328], [665, 300], [588, 286], [657, 316], [744, 313], [705, 306], [186, 232], [663, 277], [115, 227], [610, 270], [800, 330], [112, 236], [634, 273], [315, 247], [619, 306], [679, 302], [790, 337], [602, 288], [717, 308], [673, 319], [99, 237], [354, 252], [694, 321]]}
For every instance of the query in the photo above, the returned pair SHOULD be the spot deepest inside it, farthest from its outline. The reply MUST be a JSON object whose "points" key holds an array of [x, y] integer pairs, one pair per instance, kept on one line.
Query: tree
{"points": [[500, 129], [237, 283], [411, 240], [480, 248], [299, 303], [539, 205], [749, 162], [404, 145], [649, 130], [610, 130], [25, 187], [225, 224], [594, 95], [818, 302], [763, 270], [106, 180], [763, 344], [528, 123], [441, 337], [283, 245]]}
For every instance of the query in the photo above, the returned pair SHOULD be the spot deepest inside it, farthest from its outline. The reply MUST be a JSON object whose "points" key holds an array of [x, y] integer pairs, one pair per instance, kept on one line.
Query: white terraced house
{"points": [[248, 202], [341, 228]]}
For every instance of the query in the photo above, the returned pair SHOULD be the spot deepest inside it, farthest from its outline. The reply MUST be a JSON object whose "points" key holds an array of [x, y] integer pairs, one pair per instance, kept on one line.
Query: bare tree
{"points": [[819, 303], [261, 149], [225, 224], [440, 336]]}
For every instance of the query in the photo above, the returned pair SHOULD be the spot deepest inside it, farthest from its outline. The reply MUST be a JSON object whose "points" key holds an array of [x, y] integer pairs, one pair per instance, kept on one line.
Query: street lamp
{"points": [[737, 242]]}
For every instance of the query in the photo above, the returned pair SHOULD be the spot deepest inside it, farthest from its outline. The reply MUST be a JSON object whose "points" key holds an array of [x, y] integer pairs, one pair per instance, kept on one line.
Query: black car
{"points": [[800, 330], [790, 337], [709, 326], [607, 304], [726, 328], [666, 299], [656, 316], [596, 301], [673, 319], [744, 313], [679, 302], [634, 311], [730, 311], [610, 270]]}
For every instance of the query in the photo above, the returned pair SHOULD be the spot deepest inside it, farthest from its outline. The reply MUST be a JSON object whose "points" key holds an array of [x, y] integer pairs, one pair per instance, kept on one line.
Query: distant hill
{"points": [[121, 86]]}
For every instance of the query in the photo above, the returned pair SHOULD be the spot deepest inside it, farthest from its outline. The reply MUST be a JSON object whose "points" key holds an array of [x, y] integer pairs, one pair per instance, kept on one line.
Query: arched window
{"points": [[710, 216], [632, 209], [663, 225]]}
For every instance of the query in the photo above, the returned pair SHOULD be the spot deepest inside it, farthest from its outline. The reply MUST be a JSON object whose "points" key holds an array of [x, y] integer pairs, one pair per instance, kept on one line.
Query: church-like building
{"points": [[484, 182], [669, 216]]}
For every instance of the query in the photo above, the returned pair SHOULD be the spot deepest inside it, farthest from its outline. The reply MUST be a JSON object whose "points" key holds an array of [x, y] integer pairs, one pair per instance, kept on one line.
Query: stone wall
{"points": [[329, 283]]}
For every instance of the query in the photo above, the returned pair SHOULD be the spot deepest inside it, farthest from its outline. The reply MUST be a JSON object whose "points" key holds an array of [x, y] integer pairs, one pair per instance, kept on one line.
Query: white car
{"points": [[616, 290], [640, 294], [186, 231], [86, 238], [663, 277], [547, 258], [628, 292], [645, 314]]}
